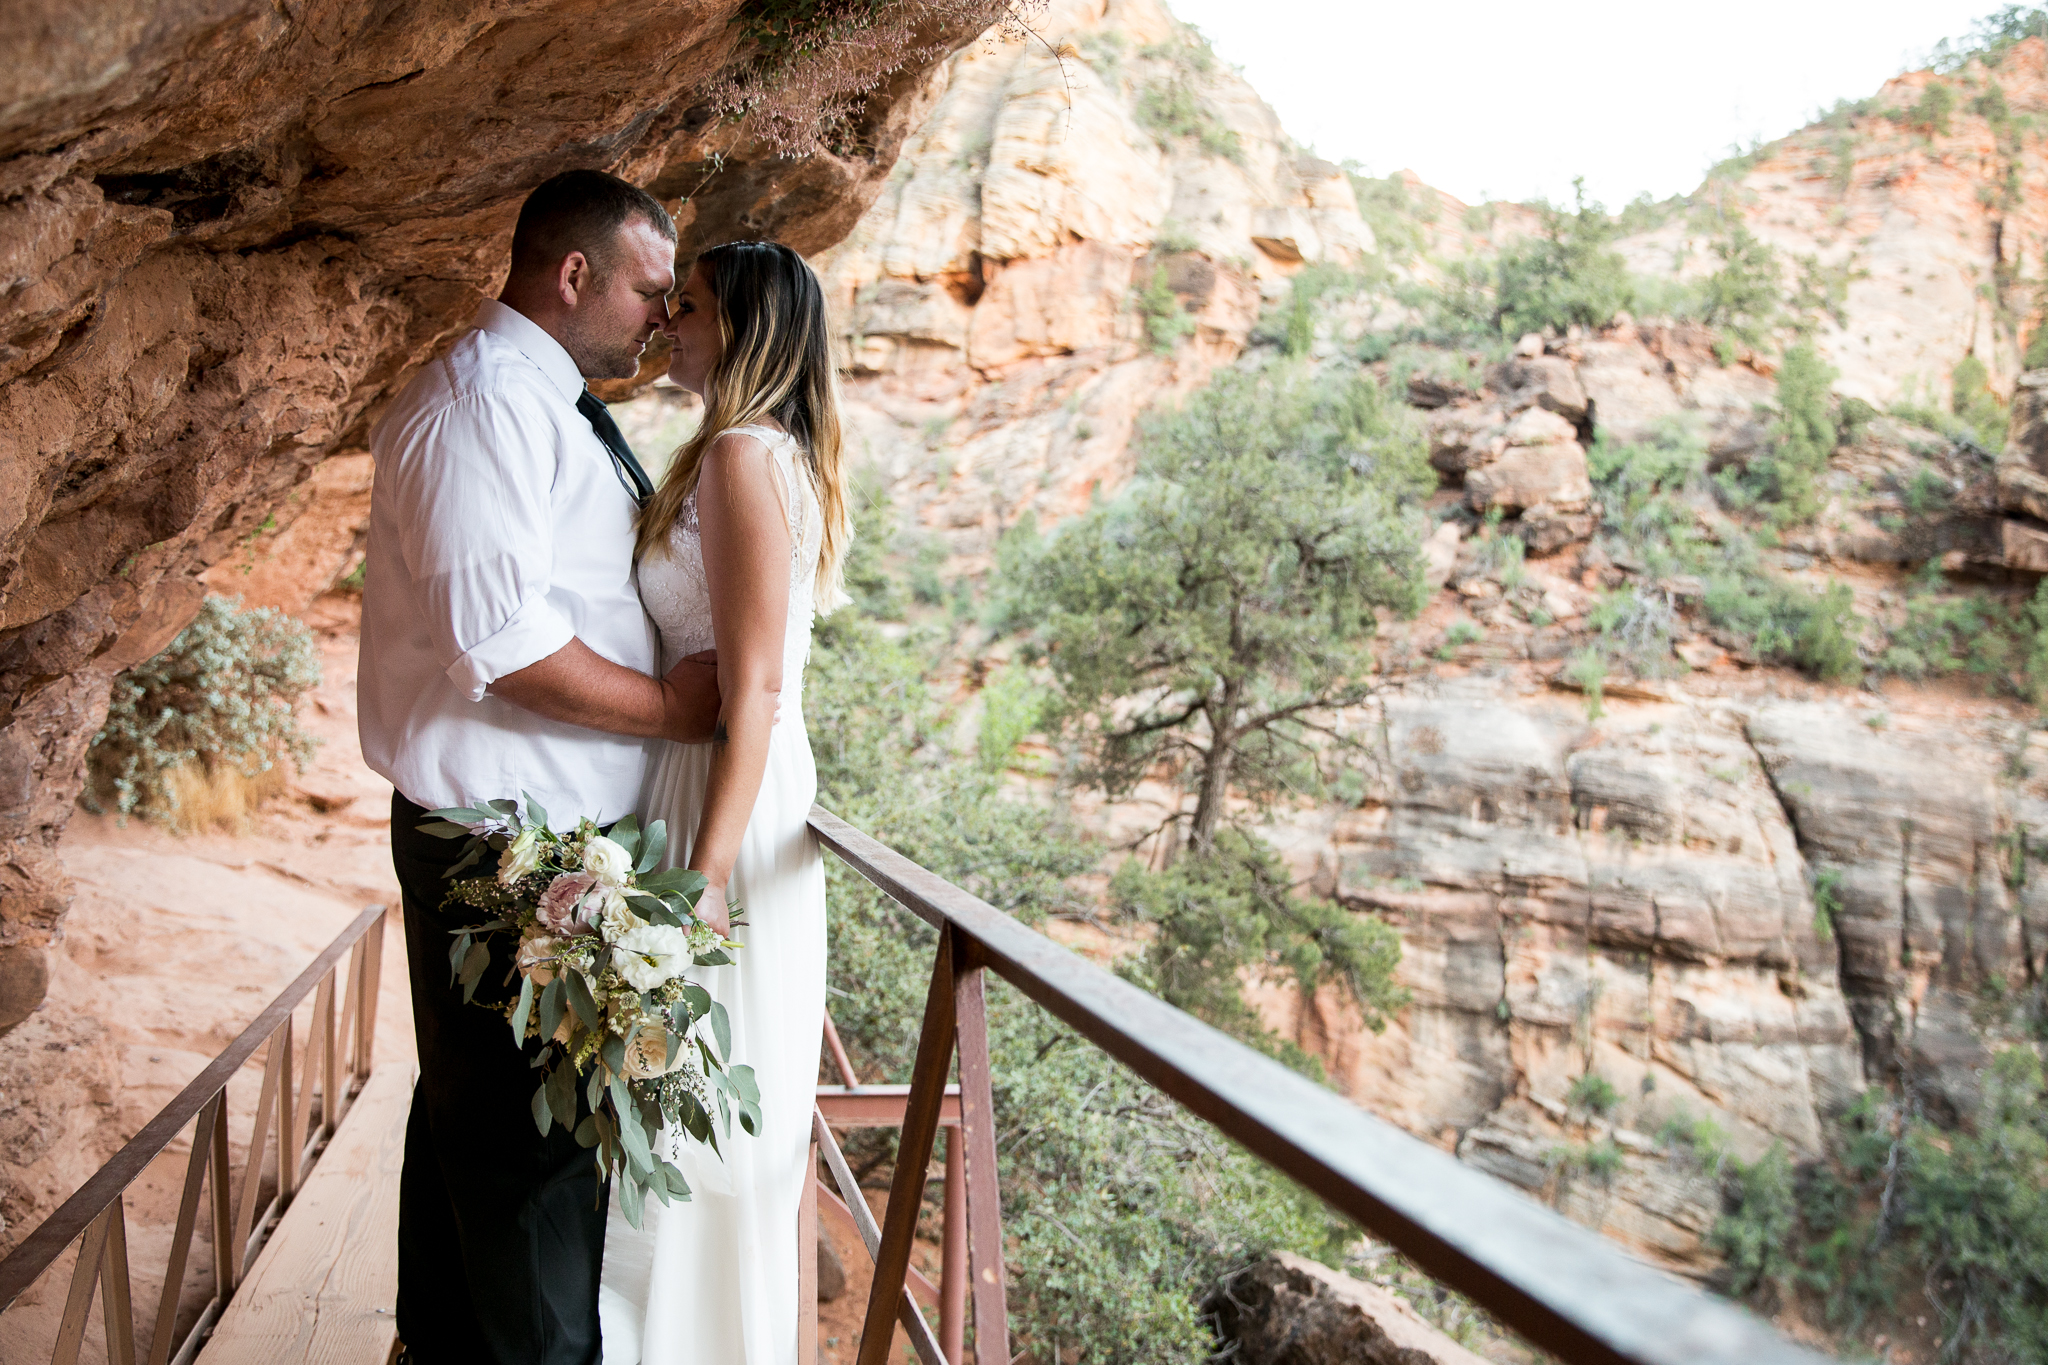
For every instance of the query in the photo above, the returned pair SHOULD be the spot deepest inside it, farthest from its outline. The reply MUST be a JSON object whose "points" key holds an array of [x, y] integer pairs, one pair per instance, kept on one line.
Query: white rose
{"points": [[537, 957], [647, 1053], [651, 954], [606, 861], [520, 858]]}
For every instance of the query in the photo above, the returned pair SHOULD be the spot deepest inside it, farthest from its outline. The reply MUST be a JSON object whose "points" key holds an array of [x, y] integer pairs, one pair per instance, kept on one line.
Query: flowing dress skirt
{"points": [[714, 1281]]}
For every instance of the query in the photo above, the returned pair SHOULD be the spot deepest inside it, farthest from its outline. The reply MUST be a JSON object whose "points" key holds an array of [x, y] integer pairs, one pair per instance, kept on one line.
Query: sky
{"points": [[1498, 100]]}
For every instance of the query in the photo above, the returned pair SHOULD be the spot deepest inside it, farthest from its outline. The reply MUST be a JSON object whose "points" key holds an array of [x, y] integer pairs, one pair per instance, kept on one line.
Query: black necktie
{"points": [[623, 464]]}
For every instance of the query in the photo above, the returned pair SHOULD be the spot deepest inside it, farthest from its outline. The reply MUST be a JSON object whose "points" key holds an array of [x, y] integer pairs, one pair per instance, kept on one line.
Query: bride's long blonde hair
{"points": [[777, 362]]}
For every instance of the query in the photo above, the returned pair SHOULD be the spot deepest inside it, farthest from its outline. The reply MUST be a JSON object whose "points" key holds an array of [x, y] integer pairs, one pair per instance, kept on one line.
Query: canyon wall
{"points": [[228, 232]]}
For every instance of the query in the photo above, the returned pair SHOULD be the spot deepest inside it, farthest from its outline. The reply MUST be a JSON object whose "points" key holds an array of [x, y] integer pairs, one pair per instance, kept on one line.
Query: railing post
{"points": [[116, 1298], [181, 1236], [85, 1274], [325, 1023], [252, 1163], [366, 1017], [287, 1150], [913, 1154], [953, 1255], [807, 1263], [227, 1267], [977, 1140]]}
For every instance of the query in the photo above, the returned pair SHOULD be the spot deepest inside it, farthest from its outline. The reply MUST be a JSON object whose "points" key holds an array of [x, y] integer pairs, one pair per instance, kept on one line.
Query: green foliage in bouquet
{"points": [[602, 941]]}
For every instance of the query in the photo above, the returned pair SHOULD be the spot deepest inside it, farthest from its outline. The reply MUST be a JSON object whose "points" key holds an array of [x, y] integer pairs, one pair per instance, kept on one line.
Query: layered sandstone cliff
{"points": [[229, 230], [1631, 898]]}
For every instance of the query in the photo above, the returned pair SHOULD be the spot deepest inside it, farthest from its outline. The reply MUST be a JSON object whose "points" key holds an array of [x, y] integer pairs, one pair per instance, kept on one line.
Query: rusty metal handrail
{"points": [[95, 1213], [1564, 1288]]}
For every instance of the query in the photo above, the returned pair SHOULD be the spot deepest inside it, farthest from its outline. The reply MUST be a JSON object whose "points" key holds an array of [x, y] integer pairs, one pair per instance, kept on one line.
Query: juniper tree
{"points": [[1217, 614]]}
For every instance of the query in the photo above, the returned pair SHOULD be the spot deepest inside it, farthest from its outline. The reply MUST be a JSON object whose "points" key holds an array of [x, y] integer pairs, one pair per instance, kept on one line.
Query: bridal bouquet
{"points": [[599, 942]]}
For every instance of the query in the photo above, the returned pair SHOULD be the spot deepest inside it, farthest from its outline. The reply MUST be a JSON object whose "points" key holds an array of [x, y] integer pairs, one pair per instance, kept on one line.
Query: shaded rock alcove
{"points": [[229, 231]]}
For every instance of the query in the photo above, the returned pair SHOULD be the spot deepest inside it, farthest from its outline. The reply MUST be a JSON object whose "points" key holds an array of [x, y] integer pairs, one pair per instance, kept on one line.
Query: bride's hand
{"points": [[712, 909]]}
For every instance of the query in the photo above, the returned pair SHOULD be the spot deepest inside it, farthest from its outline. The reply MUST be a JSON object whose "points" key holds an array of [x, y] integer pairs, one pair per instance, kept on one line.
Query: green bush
{"points": [[1755, 1233], [1229, 911], [1176, 105], [1593, 1093], [1787, 479], [1568, 274], [1743, 296], [1167, 322], [1975, 634], [222, 698], [1971, 398], [1930, 113]]}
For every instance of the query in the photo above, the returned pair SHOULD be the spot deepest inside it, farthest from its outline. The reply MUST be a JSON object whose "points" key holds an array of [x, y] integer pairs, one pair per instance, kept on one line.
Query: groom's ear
{"points": [[574, 278]]}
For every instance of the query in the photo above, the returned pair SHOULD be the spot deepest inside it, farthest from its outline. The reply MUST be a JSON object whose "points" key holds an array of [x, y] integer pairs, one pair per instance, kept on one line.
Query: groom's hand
{"points": [[690, 699]]}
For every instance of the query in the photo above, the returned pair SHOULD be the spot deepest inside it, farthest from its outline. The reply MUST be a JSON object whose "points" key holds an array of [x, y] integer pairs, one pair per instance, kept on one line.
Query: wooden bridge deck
{"points": [[324, 1288]]}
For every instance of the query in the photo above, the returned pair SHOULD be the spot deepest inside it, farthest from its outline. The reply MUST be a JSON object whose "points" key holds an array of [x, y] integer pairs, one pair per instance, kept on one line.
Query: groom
{"points": [[505, 651]]}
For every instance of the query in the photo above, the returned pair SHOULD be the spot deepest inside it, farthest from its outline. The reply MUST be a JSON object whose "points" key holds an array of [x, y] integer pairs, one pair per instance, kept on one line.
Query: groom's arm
{"points": [[579, 686]]}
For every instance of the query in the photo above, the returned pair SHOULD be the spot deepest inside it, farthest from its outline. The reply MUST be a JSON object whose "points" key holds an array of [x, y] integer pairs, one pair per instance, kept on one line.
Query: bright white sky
{"points": [[1509, 99]]}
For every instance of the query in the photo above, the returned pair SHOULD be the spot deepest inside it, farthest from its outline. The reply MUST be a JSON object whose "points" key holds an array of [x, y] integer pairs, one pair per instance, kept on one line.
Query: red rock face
{"points": [[229, 231]]}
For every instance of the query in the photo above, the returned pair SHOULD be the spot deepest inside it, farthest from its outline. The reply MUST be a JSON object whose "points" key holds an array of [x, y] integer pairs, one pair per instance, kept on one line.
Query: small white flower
{"points": [[606, 861], [520, 858], [651, 954]]}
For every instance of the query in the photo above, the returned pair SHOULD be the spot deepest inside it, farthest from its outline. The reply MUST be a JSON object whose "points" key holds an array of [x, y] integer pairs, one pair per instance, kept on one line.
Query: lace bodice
{"points": [[672, 585]]}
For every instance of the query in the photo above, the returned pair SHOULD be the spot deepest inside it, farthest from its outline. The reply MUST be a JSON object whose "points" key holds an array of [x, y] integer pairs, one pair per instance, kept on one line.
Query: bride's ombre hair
{"points": [[776, 362]]}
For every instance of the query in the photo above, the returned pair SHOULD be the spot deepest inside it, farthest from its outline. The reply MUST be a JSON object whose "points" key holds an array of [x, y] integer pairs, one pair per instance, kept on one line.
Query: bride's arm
{"points": [[746, 568]]}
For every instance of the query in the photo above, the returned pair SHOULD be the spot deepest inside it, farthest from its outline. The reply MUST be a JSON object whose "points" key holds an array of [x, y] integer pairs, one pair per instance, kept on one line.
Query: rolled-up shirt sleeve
{"points": [[477, 479]]}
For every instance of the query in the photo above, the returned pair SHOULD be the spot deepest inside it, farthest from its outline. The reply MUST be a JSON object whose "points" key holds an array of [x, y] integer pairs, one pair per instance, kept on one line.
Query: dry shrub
{"points": [[223, 798], [815, 61]]}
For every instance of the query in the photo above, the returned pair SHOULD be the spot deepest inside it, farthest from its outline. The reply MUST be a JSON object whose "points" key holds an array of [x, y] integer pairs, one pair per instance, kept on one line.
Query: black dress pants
{"points": [[500, 1230]]}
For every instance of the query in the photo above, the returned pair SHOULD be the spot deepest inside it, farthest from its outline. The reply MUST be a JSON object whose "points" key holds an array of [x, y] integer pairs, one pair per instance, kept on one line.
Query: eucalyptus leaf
{"points": [[717, 957], [473, 964], [593, 1088], [744, 1083], [652, 909], [543, 1115], [552, 1002], [626, 834], [522, 1011], [444, 829], [698, 999], [652, 846], [581, 1000], [467, 815], [504, 807], [680, 880], [586, 1131], [721, 1028], [561, 1088], [468, 860], [614, 1054], [535, 813], [631, 1201]]}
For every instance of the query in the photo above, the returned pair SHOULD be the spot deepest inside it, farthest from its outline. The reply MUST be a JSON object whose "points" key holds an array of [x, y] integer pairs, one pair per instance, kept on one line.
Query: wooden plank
{"points": [[976, 1138], [878, 1106], [921, 1289], [807, 1264], [325, 1285]]}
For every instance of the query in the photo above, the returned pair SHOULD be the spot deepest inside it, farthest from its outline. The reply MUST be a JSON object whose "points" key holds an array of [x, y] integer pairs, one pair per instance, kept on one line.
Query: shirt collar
{"points": [[503, 320]]}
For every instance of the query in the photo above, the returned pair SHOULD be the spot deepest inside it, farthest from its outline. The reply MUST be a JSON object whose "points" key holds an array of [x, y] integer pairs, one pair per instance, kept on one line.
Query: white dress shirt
{"points": [[499, 530]]}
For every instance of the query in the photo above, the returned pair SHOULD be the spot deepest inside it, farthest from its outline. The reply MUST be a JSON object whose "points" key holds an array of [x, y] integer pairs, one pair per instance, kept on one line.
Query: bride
{"points": [[738, 548]]}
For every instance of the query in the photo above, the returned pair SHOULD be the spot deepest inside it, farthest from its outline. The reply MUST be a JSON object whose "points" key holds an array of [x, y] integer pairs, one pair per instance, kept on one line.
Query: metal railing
{"points": [[1562, 1287], [336, 1063]]}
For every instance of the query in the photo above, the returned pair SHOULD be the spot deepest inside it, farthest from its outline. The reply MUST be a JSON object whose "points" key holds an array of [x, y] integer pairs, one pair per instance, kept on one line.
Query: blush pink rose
{"points": [[562, 909]]}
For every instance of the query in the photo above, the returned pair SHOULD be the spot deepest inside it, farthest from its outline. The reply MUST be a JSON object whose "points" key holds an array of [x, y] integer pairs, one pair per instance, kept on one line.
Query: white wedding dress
{"points": [[714, 1281]]}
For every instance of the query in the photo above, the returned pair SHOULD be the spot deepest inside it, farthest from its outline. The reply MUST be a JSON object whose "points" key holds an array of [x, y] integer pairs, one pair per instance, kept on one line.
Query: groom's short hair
{"points": [[581, 211]]}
